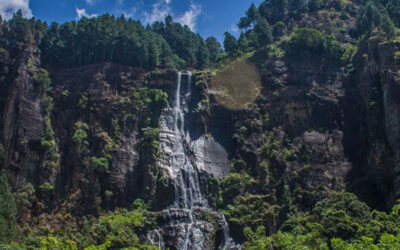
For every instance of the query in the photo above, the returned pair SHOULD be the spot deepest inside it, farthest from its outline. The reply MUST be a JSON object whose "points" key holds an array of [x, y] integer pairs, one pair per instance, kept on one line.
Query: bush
{"points": [[99, 164], [4, 55], [397, 55], [82, 103], [42, 81], [306, 41], [80, 134], [151, 141]]}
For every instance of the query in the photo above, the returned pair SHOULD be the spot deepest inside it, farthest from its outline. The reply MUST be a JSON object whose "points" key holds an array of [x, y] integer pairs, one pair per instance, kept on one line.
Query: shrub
{"points": [[306, 41], [80, 136], [46, 187], [80, 132], [42, 81], [82, 103], [151, 141], [4, 55], [397, 55], [99, 164]]}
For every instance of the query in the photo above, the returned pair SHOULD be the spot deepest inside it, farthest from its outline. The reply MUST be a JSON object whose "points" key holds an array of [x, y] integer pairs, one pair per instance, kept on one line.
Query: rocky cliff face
{"points": [[372, 121], [311, 130]]}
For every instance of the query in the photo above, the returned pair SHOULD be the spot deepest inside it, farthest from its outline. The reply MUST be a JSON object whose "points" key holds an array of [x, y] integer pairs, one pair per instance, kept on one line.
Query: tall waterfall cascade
{"points": [[183, 224]]}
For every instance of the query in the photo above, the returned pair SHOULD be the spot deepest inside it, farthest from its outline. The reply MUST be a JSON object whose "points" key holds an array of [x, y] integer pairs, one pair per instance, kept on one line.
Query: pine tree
{"points": [[230, 43], [252, 14], [214, 48], [388, 27], [263, 31]]}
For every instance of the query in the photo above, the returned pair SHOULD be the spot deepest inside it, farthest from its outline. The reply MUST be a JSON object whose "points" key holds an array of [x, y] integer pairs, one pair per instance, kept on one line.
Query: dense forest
{"points": [[314, 161]]}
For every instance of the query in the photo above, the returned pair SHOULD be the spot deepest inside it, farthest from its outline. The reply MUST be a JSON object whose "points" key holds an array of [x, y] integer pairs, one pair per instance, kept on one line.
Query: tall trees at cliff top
{"points": [[186, 44], [105, 38], [124, 41], [19, 31], [257, 30]]}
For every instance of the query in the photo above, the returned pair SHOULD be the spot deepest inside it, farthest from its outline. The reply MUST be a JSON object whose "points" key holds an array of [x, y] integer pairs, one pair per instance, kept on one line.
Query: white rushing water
{"points": [[188, 232]]}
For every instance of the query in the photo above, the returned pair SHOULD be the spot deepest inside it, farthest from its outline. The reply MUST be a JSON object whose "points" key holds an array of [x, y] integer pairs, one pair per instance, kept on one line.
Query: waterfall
{"points": [[188, 232]]}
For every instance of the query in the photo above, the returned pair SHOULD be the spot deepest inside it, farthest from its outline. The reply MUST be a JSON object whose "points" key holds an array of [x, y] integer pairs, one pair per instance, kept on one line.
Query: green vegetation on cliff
{"points": [[99, 127], [8, 210]]}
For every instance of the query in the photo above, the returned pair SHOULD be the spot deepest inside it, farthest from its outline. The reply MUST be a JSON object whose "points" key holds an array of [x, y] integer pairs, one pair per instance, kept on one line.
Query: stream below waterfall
{"points": [[184, 224]]}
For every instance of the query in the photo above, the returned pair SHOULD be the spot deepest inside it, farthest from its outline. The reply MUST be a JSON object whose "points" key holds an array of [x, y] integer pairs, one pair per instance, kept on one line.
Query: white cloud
{"points": [[92, 2], [82, 13], [235, 28], [190, 17], [160, 10], [9, 7]]}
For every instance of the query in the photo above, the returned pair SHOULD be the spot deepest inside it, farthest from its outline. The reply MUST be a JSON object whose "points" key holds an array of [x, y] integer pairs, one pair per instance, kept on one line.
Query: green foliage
{"points": [[233, 185], [275, 52], [251, 211], [42, 81], [306, 41], [8, 210], [264, 32], [24, 197], [80, 136], [65, 93], [214, 48], [114, 230], [397, 55], [373, 15], [340, 221], [4, 55], [230, 43], [388, 27], [46, 187], [99, 164], [48, 141], [151, 143], [124, 41], [83, 102], [314, 5]]}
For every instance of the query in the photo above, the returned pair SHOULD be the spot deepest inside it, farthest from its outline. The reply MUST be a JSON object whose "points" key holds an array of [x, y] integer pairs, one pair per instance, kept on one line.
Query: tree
{"points": [[8, 210], [279, 6], [393, 7], [230, 43], [252, 14], [388, 27], [263, 31], [244, 23], [203, 56], [243, 43], [314, 5], [368, 18], [214, 48], [297, 6]]}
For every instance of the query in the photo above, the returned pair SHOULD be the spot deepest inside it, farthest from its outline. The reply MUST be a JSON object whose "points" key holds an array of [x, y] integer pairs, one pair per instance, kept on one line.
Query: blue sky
{"points": [[207, 17]]}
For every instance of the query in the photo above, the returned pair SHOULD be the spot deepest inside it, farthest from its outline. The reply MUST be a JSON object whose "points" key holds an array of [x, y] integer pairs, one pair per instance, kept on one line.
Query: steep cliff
{"points": [[372, 122], [258, 150]]}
